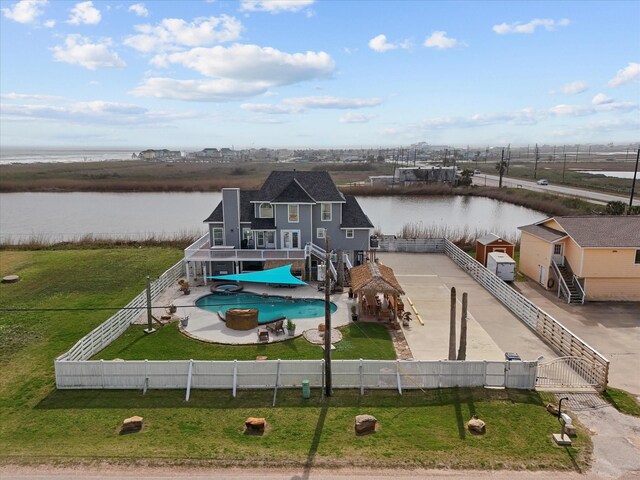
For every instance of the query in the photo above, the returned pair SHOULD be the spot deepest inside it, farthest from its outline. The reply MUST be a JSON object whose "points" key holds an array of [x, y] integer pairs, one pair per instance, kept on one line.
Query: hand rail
{"points": [[347, 261], [564, 288], [576, 283]]}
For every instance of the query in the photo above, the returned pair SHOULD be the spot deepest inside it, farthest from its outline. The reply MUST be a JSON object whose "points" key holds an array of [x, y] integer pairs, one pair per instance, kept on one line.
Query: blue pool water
{"points": [[269, 308]]}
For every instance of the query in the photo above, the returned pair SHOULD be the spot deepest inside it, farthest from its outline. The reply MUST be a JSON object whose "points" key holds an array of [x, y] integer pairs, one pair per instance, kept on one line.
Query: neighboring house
{"points": [[284, 222], [584, 258], [412, 175]]}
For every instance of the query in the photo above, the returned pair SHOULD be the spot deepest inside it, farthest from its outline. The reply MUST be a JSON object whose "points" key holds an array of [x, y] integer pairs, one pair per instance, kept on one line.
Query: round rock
{"points": [[11, 279]]}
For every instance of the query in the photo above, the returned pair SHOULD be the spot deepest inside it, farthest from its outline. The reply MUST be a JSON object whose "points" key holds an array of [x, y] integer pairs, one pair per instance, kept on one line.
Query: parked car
{"points": [[477, 172], [543, 181]]}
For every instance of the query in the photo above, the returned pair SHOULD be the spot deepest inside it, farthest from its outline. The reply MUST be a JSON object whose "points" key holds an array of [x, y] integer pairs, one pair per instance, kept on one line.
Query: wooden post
{"points": [[462, 350], [327, 319], [452, 326], [149, 328], [189, 373]]}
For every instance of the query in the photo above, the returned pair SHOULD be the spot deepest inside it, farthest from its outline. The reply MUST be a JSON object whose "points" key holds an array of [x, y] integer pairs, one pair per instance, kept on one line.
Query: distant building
{"points": [[163, 154], [413, 175]]}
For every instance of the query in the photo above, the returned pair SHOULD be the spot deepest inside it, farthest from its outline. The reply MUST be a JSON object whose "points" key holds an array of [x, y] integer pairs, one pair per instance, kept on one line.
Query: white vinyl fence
{"points": [[595, 367], [232, 375], [114, 326]]}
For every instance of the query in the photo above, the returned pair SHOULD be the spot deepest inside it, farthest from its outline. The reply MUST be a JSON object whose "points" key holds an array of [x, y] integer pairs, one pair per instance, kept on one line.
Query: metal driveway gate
{"points": [[568, 373]]}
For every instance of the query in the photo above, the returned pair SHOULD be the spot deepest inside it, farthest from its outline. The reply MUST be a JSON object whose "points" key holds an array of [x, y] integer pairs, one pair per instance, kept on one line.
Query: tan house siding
{"points": [[610, 263], [618, 289], [573, 255], [534, 252]]}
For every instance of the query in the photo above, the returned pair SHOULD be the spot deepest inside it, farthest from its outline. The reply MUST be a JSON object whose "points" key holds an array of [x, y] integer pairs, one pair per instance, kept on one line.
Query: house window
{"points": [[218, 237], [246, 233], [265, 239], [557, 249], [349, 233], [320, 232], [266, 210], [637, 257], [294, 214], [325, 212]]}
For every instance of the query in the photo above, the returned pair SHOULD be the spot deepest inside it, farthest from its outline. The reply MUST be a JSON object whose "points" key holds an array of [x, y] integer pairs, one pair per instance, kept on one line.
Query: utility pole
{"points": [[554, 154], [508, 157], [564, 164], [327, 320], [633, 185], [150, 328], [577, 152], [535, 171]]}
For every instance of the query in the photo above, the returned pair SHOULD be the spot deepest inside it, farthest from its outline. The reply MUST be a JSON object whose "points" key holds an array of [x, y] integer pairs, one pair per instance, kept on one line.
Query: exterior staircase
{"points": [[575, 293]]}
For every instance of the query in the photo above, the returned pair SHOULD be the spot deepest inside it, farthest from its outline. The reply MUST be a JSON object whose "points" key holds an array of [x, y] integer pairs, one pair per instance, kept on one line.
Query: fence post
{"points": [[102, 370], [361, 380], [275, 389], [234, 387], [189, 380], [322, 389], [398, 377]]}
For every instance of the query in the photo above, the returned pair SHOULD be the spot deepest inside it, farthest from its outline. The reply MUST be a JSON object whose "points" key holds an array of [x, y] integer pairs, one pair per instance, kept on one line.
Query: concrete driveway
{"points": [[493, 329], [612, 328]]}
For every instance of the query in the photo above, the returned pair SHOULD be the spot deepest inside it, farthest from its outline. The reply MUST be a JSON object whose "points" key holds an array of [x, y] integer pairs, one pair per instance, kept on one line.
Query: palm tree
{"points": [[501, 167]]}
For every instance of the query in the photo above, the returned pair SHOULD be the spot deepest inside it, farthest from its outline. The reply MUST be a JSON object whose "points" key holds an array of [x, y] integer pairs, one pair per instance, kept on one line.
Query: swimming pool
{"points": [[270, 307]]}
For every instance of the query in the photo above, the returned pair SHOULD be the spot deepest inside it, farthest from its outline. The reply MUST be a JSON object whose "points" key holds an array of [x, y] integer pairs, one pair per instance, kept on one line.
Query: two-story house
{"points": [[286, 221]]}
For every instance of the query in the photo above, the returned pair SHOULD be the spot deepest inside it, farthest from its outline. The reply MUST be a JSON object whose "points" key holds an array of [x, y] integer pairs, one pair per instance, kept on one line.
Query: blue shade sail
{"points": [[277, 276]]}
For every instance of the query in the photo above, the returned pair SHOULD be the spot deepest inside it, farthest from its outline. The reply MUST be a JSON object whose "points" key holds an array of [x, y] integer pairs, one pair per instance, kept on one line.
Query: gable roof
{"points": [[602, 230], [293, 193], [318, 185], [352, 214], [487, 239], [592, 230]]}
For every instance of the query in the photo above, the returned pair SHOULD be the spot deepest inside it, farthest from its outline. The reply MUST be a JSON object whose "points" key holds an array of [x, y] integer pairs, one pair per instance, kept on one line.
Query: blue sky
{"points": [[305, 73]]}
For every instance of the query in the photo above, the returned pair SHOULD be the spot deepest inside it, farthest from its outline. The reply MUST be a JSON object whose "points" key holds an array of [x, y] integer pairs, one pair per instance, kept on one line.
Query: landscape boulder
{"points": [[321, 327], [11, 279], [365, 424], [553, 409], [131, 425], [255, 425], [570, 430], [477, 426]]}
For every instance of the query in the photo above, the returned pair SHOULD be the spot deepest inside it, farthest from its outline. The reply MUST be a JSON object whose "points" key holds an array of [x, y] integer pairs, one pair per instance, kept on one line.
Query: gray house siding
{"points": [[231, 215], [211, 227], [281, 213]]}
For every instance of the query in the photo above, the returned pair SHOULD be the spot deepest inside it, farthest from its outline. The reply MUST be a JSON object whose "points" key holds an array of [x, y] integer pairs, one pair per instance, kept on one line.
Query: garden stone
{"points": [[131, 425], [477, 426], [365, 424], [255, 424], [570, 430], [11, 279], [553, 409]]}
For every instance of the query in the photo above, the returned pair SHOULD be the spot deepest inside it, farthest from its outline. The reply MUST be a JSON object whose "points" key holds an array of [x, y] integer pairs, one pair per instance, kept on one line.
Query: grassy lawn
{"points": [[623, 401], [359, 340], [40, 424]]}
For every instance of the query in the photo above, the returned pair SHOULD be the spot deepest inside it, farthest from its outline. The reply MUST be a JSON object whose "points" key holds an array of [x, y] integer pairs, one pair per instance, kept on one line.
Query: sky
{"points": [[317, 73]]}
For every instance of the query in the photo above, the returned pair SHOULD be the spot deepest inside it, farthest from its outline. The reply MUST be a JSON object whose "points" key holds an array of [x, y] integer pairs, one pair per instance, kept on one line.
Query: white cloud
{"points": [[25, 11], [49, 23], [221, 90], [300, 104], [172, 33], [139, 9], [572, 88], [583, 110], [601, 99], [630, 73], [28, 96], [270, 109], [79, 50], [531, 26], [381, 45], [351, 117], [274, 6], [84, 13], [251, 63], [440, 41]]}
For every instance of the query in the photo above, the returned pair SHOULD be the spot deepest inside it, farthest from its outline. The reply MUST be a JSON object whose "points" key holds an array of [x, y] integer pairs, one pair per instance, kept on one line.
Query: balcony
{"points": [[201, 251]]}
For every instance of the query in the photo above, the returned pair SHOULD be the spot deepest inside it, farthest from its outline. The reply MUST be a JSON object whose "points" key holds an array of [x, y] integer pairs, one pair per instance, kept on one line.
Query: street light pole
{"points": [[635, 174], [327, 319]]}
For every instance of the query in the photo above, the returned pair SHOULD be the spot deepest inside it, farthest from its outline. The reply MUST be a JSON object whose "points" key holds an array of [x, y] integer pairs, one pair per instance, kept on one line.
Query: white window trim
{"points": [[282, 232], [347, 231], [213, 236], [260, 209], [320, 232], [330, 212], [297, 220]]}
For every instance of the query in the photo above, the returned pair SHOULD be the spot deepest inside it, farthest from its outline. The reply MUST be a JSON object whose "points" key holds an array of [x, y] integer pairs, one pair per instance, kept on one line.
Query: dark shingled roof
{"points": [[293, 193], [246, 208], [352, 214], [545, 233], [318, 185], [603, 231]]}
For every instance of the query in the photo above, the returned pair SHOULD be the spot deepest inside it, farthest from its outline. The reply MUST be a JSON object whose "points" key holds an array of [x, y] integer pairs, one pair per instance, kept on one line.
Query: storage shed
{"points": [[492, 243]]}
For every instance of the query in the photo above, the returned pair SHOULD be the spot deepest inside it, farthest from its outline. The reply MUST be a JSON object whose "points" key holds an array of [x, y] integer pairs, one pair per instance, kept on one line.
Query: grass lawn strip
{"points": [[623, 401], [40, 424]]}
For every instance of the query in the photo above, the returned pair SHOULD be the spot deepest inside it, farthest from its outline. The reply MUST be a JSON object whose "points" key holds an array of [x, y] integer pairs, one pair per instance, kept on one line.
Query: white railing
{"points": [[114, 326], [232, 375], [576, 283], [563, 288], [347, 261], [413, 245]]}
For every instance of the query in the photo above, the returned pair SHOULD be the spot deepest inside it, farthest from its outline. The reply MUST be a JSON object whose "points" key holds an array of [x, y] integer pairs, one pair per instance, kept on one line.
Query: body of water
{"points": [[628, 175], [68, 216], [31, 155]]}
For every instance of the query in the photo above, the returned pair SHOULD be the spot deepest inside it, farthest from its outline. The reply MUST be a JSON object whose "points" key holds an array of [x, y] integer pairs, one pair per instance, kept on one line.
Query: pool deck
{"points": [[206, 326]]}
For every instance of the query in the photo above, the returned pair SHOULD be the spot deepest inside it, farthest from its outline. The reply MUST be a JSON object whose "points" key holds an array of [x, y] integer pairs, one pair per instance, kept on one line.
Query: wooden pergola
{"points": [[371, 279]]}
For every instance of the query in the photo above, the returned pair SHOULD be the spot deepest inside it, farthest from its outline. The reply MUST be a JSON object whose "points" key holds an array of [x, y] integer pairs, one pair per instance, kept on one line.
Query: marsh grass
{"points": [[41, 242]]}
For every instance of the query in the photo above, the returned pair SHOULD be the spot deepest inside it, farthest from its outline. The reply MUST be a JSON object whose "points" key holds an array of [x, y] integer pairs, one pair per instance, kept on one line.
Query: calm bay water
{"points": [[64, 216], [58, 155]]}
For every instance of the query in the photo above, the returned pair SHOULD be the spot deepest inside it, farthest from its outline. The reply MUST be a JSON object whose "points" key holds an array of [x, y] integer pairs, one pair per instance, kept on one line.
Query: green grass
{"points": [[417, 429], [359, 340], [39, 424], [622, 400]]}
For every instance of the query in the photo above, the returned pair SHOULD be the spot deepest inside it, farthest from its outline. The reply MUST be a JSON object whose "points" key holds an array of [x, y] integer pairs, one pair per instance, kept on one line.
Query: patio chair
{"points": [[277, 327], [263, 335]]}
